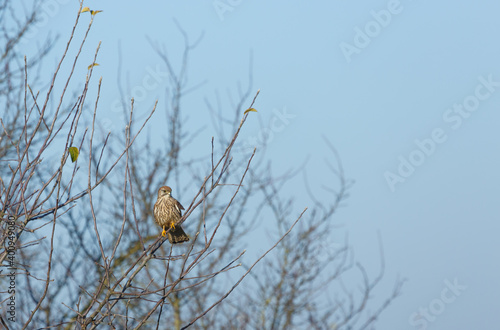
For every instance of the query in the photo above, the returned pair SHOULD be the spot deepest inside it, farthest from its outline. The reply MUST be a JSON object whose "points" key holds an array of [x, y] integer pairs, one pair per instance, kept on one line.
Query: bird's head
{"points": [[164, 191]]}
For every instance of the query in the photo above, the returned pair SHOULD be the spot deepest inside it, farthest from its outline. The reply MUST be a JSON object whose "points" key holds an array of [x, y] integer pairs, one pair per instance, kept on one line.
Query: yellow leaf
{"points": [[249, 110], [73, 152], [92, 65], [92, 12]]}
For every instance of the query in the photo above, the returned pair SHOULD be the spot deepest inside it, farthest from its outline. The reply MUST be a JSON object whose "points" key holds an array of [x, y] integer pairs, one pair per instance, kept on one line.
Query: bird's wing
{"points": [[179, 205]]}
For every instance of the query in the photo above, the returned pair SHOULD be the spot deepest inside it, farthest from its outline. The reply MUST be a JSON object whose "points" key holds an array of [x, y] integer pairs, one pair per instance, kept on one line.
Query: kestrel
{"points": [[167, 212]]}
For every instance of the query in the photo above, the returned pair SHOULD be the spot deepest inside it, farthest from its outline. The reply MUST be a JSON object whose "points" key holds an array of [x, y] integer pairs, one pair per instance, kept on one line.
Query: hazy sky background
{"points": [[423, 72]]}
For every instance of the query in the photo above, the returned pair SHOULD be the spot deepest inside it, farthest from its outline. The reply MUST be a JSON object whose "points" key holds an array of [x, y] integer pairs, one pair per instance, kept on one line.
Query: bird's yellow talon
{"points": [[164, 232], [172, 225]]}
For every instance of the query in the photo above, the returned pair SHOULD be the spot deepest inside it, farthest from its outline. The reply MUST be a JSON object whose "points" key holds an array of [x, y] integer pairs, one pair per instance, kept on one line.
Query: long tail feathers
{"points": [[177, 235]]}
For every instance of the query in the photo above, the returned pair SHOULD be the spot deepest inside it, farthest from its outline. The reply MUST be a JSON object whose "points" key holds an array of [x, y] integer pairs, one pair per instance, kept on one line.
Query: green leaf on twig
{"points": [[73, 152]]}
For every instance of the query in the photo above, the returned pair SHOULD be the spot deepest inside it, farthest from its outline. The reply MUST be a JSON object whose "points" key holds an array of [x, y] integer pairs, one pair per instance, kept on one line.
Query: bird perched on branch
{"points": [[167, 212]]}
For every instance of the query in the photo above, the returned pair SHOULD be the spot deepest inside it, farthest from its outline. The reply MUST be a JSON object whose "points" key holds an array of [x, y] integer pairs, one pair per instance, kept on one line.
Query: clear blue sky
{"points": [[407, 91]]}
